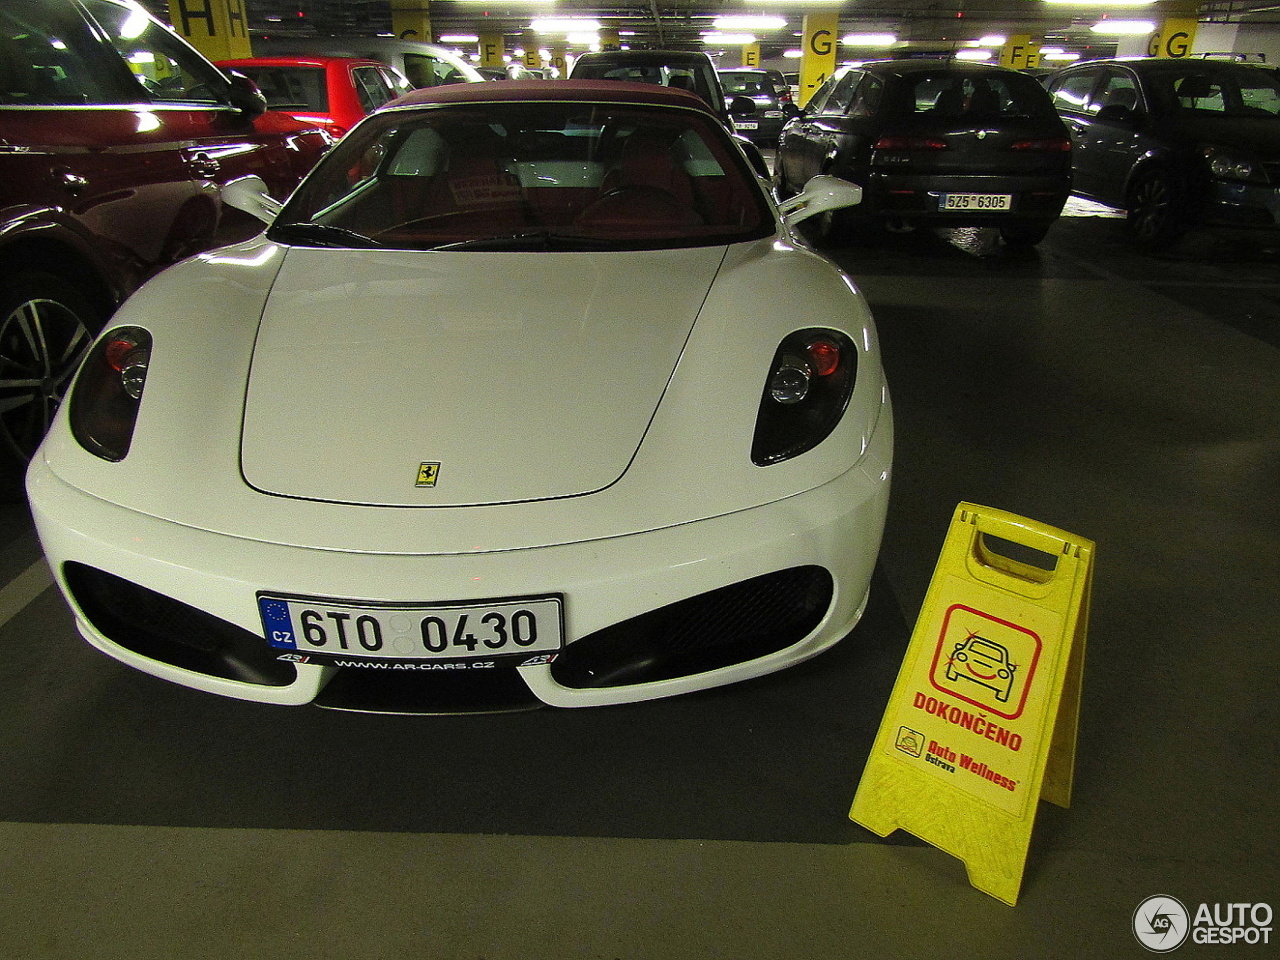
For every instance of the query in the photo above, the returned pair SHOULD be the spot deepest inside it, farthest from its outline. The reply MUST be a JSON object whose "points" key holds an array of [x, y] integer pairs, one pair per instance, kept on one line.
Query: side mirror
{"points": [[819, 195], [245, 95], [741, 106], [250, 195]]}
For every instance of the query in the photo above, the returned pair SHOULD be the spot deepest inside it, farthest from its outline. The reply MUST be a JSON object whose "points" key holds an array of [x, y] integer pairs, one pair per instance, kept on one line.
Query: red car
{"points": [[333, 92], [115, 137]]}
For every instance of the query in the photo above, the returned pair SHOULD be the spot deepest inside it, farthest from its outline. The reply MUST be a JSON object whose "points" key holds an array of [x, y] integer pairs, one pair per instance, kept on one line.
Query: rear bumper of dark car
{"points": [[919, 199], [766, 129]]}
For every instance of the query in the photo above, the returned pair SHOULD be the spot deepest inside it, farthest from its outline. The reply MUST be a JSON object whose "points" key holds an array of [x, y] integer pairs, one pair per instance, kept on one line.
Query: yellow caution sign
{"points": [[982, 720]]}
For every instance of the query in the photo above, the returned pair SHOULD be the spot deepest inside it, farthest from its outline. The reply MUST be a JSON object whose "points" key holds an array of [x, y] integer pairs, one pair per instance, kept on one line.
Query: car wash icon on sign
{"points": [[985, 661]]}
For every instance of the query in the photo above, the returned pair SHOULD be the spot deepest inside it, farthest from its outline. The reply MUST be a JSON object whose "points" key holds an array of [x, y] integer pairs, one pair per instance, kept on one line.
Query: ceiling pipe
{"points": [[657, 22]]}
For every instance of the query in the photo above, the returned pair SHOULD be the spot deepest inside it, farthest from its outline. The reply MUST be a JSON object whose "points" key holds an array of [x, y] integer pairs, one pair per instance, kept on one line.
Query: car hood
{"points": [[515, 376]]}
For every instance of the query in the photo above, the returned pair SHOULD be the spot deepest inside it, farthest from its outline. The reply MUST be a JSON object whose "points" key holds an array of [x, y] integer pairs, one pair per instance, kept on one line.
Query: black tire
{"points": [[1024, 234], [47, 324], [1156, 212]]}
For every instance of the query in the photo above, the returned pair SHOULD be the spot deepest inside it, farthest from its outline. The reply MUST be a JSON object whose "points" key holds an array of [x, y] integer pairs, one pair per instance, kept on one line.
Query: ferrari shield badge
{"points": [[427, 474]]}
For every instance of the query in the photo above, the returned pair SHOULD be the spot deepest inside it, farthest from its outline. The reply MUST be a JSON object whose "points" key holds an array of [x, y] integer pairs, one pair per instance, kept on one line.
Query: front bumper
{"points": [[1243, 205], [604, 582]]}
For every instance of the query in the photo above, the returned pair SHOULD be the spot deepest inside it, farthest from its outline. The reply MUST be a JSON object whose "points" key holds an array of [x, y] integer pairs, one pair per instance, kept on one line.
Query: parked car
{"points": [[934, 143], [772, 98], [332, 92], [423, 64], [108, 174], [682, 69], [510, 398], [793, 84], [1176, 143]]}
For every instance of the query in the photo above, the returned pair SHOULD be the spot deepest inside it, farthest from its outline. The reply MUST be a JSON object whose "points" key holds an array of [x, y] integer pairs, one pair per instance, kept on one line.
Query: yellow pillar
{"points": [[818, 53], [751, 54], [1174, 39], [217, 28], [411, 20], [532, 58], [609, 40], [492, 50], [1020, 53], [560, 58]]}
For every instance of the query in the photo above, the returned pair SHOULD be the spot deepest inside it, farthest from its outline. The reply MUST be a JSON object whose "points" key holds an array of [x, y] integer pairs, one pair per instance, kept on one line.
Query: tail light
{"points": [[805, 395], [1043, 145], [108, 392], [910, 143]]}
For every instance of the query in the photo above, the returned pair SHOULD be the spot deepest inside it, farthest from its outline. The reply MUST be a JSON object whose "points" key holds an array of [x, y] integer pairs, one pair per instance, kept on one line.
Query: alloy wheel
{"points": [[42, 342], [1154, 215]]}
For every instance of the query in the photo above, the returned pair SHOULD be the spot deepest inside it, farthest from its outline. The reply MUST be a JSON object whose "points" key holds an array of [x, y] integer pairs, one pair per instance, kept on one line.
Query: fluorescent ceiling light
{"points": [[716, 38], [563, 25], [1059, 56], [992, 40], [1102, 3], [792, 54], [749, 22], [869, 39], [1123, 27], [977, 55], [459, 38]]}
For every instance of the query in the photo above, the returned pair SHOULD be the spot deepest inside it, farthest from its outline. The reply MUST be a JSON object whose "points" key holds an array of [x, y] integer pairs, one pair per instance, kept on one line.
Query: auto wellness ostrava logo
{"points": [[1162, 924]]}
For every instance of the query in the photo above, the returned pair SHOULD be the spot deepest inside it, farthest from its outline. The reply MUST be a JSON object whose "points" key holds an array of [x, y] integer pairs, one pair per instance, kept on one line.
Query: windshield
{"points": [[526, 175], [291, 89], [1233, 92], [748, 84], [994, 94]]}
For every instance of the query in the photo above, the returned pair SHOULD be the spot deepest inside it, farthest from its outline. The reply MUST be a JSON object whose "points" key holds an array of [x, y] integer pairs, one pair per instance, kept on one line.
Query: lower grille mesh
{"points": [[733, 624]]}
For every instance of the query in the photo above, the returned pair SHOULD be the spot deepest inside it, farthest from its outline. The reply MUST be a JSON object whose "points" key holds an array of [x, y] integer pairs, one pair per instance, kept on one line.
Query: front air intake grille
{"points": [[164, 629], [733, 624]]}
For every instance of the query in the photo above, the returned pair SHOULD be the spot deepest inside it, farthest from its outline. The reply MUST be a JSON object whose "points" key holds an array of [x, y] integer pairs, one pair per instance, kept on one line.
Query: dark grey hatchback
{"points": [[1175, 143], [934, 143]]}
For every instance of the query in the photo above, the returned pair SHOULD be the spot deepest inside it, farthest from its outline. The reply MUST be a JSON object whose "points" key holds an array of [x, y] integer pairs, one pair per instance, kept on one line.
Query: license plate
{"points": [[975, 201], [355, 633], [747, 124]]}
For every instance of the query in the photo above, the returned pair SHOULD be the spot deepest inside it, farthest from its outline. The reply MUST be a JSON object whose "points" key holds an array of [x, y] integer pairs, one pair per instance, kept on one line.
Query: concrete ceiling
{"points": [[937, 25]]}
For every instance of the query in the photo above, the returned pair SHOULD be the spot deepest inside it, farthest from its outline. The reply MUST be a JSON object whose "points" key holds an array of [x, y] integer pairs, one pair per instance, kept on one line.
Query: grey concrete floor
{"points": [[1128, 399]]}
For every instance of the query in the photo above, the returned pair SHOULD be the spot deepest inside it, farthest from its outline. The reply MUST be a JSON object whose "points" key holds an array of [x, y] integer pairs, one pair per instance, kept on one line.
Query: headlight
{"points": [[104, 403], [1233, 165], [805, 394]]}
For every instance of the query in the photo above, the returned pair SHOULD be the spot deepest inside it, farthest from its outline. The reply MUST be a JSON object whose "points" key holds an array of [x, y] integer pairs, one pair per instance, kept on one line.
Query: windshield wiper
{"points": [[320, 234], [532, 240]]}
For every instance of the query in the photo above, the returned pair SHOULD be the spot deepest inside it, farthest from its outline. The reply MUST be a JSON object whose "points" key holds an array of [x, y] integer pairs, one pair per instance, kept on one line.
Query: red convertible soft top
{"points": [[620, 91]]}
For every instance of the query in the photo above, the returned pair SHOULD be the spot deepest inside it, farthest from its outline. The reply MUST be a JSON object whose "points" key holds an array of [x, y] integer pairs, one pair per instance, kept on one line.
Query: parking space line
{"points": [[22, 589]]}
